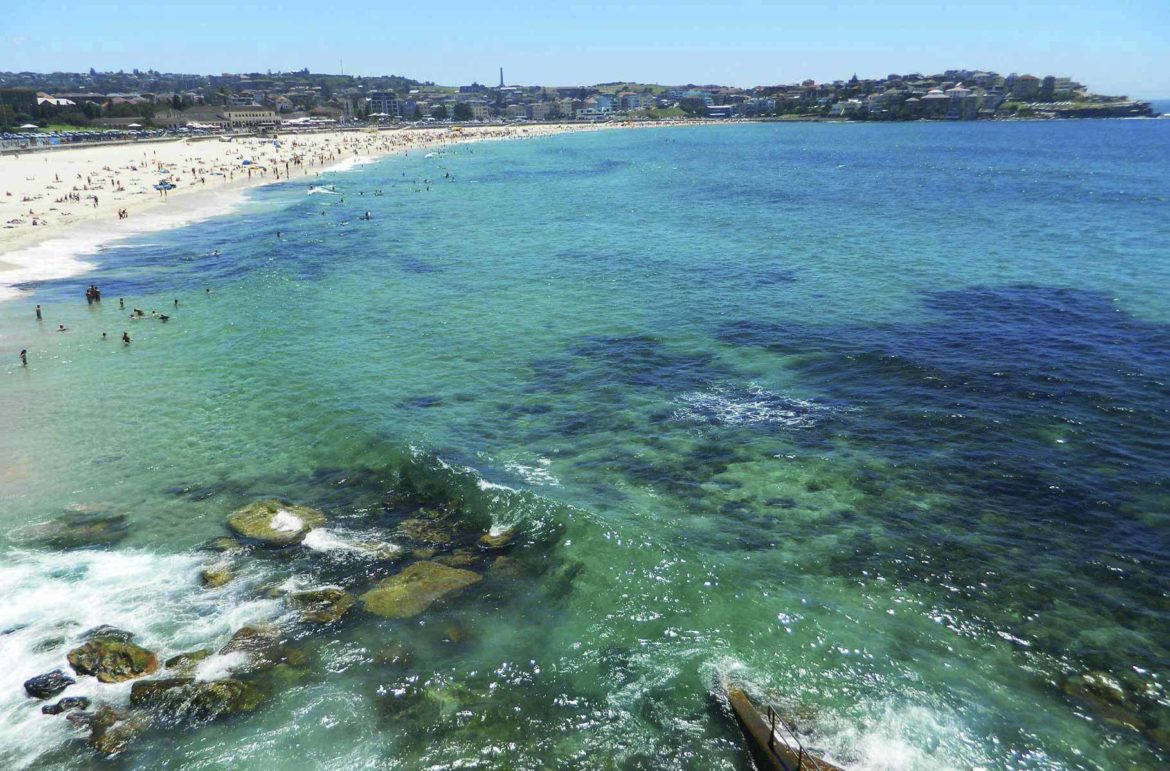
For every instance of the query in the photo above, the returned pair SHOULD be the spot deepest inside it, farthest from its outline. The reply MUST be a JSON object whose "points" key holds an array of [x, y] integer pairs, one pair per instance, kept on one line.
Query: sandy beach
{"points": [[58, 206]]}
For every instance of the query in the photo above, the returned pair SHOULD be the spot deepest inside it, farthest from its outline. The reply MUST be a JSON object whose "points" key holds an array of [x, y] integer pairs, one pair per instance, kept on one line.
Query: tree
{"points": [[176, 102], [439, 112], [463, 112], [693, 106]]}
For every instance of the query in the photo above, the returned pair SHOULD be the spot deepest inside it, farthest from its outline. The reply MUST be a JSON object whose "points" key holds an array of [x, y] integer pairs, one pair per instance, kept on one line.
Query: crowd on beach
{"points": [[49, 190]]}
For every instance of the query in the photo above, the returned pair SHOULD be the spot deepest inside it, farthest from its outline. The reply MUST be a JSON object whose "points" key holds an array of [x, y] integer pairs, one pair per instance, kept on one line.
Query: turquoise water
{"points": [[871, 419]]}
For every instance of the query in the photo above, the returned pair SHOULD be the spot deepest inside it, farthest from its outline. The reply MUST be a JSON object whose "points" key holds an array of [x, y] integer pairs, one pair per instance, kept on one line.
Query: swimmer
{"points": [[24, 357], [61, 328], [125, 338]]}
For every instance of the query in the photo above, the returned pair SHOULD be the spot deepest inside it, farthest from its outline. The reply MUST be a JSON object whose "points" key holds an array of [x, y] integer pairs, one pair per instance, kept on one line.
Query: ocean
{"points": [[871, 419]]}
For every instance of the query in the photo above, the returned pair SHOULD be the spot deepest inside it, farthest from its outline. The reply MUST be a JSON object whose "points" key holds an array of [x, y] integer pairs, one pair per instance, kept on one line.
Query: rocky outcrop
{"points": [[274, 523], [112, 661], [48, 685], [181, 700], [185, 663], [322, 606], [415, 589]]}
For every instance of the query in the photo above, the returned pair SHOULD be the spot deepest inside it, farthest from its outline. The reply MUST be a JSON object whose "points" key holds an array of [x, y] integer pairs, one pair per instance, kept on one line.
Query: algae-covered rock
{"points": [[215, 577], [460, 559], [183, 700], [323, 606], [81, 530], [48, 685], [223, 545], [185, 663], [113, 739], [275, 523], [112, 661], [493, 541], [426, 531], [415, 589], [262, 645]]}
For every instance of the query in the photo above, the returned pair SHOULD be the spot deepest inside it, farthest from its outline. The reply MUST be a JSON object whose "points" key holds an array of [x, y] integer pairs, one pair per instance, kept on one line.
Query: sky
{"points": [[1114, 47]]}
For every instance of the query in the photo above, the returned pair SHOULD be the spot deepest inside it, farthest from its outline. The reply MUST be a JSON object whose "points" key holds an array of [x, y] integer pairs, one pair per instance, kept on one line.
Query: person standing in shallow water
{"points": [[24, 357], [125, 338], [38, 313]]}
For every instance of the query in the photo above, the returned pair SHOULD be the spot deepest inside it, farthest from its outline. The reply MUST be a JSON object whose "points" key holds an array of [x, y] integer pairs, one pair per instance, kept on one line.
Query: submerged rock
{"points": [[323, 606], [111, 739], [262, 646], [415, 589], [224, 545], [48, 685], [426, 531], [112, 661], [183, 699], [275, 523], [492, 541], [81, 530], [397, 655], [107, 633], [460, 559], [186, 662], [213, 578], [65, 705]]}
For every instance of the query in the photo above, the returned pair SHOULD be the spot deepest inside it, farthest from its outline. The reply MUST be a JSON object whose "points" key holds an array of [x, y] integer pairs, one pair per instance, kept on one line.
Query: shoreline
{"points": [[211, 180]]}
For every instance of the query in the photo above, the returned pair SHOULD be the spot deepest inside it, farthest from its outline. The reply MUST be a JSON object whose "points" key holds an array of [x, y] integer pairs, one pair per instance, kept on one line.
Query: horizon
{"points": [[740, 44]]}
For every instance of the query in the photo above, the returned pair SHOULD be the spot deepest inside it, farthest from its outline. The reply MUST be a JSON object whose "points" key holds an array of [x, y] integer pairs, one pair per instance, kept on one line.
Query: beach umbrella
{"points": [[30, 125]]}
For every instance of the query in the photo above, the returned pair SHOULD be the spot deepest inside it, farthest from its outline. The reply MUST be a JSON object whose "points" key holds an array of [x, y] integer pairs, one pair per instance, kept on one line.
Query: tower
{"points": [[501, 77]]}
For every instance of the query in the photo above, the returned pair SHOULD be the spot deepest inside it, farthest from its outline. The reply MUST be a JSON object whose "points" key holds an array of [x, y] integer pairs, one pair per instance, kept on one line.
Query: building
{"points": [[721, 111], [249, 117], [384, 103]]}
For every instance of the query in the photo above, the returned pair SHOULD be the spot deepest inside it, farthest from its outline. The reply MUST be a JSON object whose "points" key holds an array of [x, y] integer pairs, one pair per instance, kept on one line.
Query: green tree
{"points": [[439, 112], [463, 112]]}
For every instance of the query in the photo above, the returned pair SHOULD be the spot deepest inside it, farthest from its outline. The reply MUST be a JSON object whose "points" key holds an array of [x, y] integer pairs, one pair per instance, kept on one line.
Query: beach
{"points": [[58, 206]]}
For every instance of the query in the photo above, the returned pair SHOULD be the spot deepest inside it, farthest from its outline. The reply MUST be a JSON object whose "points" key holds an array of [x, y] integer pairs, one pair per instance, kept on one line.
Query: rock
{"points": [[100, 719], [274, 523], [323, 606], [460, 559], [224, 545], [397, 655], [48, 685], [1095, 687], [415, 589], [185, 663], [426, 531], [66, 704], [184, 700], [260, 643], [112, 739], [81, 530], [46, 645], [107, 633], [492, 541], [455, 634], [111, 661], [506, 567], [213, 578], [423, 554]]}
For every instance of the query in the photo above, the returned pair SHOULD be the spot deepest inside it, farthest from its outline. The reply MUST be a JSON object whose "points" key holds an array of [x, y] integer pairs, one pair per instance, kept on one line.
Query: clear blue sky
{"points": [[1113, 46]]}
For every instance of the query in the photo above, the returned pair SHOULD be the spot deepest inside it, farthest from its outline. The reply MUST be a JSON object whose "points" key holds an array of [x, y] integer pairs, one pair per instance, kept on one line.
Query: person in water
{"points": [[24, 357], [61, 328], [38, 313], [125, 338]]}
